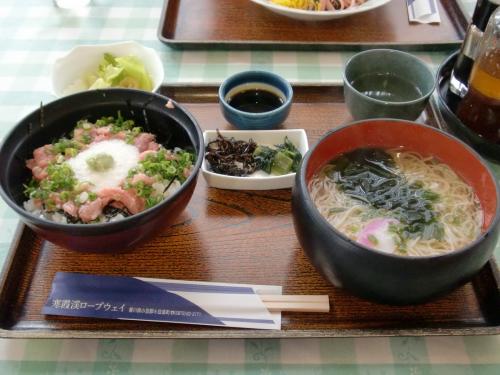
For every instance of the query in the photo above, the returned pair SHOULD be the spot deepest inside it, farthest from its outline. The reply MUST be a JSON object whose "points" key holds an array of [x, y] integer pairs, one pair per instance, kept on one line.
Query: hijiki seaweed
{"points": [[231, 157]]}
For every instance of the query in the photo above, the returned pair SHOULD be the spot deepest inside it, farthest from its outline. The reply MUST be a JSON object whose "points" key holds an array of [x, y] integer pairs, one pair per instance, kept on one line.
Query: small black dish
{"points": [[447, 105]]}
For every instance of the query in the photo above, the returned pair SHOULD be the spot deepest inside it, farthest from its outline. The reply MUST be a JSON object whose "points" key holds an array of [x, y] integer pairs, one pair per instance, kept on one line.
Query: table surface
{"points": [[32, 34]]}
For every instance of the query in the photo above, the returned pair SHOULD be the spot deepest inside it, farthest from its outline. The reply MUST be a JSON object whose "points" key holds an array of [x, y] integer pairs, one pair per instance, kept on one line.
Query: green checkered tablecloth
{"points": [[32, 34]]}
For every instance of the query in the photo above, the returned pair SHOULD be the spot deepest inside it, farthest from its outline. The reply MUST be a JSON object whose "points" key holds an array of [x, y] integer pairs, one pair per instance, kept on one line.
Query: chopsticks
{"points": [[296, 303]]}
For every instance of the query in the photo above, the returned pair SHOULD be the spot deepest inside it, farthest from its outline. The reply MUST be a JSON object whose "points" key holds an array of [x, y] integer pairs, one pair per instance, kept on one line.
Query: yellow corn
{"points": [[299, 4]]}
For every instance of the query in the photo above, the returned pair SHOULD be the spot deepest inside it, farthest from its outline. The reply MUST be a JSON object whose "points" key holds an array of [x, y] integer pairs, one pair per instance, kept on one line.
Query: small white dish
{"points": [[309, 15], [85, 59], [258, 180]]}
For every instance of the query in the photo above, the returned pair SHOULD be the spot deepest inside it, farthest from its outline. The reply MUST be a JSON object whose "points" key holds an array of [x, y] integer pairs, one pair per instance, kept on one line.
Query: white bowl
{"points": [[258, 180], [309, 15], [85, 59]]}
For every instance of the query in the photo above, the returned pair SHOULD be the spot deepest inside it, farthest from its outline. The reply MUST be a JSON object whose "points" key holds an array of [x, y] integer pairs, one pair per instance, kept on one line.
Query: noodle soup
{"points": [[397, 201]]}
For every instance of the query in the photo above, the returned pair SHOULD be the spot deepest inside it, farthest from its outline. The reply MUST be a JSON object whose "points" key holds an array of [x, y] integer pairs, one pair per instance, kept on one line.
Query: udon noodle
{"points": [[453, 215]]}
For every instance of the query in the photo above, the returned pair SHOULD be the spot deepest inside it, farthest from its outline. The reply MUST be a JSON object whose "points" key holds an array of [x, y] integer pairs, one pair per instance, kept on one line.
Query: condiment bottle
{"points": [[469, 51], [480, 108]]}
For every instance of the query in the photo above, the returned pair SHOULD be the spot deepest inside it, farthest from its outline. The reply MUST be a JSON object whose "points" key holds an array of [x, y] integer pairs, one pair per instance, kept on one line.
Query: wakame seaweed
{"points": [[285, 158], [370, 175]]}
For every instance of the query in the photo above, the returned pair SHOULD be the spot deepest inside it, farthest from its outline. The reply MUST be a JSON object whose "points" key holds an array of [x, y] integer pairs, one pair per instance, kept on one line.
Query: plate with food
{"points": [[253, 160], [319, 10]]}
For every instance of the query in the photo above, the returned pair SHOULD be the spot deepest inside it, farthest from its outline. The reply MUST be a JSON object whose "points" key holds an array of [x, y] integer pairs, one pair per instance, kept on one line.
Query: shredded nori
{"points": [[70, 218], [370, 175], [110, 212]]}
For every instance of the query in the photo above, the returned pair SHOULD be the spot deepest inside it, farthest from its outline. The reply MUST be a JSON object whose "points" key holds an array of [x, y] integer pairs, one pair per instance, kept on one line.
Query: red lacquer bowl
{"points": [[380, 276]]}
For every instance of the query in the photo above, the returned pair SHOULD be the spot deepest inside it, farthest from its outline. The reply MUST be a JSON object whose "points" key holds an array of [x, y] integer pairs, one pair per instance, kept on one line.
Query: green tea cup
{"points": [[385, 83]]}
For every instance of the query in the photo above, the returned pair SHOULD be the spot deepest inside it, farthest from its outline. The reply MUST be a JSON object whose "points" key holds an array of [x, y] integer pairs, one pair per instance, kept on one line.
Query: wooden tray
{"points": [[243, 24], [240, 237]]}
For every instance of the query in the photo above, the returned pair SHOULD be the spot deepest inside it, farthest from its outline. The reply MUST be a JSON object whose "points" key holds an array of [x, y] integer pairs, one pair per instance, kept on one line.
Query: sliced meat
{"points": [[39, 173], [57, 199], [104, 130], [31, 163], [144, 154], [153, 146], [129, 198], [91, 210], [37, 203], [101, 134], [144, 178], [143, 140], [120, 135], [43, 156], [70, 208], [79, 136]]}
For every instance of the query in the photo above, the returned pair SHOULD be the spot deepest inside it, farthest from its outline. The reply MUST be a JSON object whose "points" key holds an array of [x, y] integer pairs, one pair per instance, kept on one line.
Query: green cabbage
{"points": [[124, 71]]}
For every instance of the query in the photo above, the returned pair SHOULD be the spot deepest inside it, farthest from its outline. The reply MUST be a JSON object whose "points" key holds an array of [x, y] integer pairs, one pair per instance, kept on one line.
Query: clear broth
{"points": [[387, 87]]}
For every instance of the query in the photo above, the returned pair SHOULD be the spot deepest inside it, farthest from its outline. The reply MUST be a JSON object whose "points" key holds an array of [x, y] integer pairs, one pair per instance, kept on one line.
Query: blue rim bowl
{"points": [[256, 121]]}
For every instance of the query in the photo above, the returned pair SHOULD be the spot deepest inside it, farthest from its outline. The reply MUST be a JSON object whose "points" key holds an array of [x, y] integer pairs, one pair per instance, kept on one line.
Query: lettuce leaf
{"points": [[124, 71]]}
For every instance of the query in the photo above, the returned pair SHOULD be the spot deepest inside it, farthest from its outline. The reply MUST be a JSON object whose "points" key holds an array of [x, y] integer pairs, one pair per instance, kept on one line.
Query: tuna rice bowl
{"points": [[103, 171]]}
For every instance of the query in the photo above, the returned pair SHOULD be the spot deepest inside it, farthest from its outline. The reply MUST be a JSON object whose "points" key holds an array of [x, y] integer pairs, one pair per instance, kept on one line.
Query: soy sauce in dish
{"points": [[386, 87], [255, 98]]}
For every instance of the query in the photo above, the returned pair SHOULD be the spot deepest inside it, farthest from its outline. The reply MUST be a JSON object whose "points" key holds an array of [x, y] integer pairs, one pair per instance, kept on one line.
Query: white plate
{"points": [[309, 15], [85, 59], [258, 180]]}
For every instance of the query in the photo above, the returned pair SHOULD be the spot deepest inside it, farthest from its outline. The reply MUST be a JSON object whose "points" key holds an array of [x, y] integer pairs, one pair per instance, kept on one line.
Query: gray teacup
{"points": [[385, 83]]}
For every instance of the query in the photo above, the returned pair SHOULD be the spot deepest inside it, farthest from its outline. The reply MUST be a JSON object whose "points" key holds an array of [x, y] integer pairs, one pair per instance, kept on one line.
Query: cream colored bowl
{"points": [[85, 59]]}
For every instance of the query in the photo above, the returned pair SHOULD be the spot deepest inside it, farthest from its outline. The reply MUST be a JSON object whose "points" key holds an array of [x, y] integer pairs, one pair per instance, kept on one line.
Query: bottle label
{"points": [[470, 46]]}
